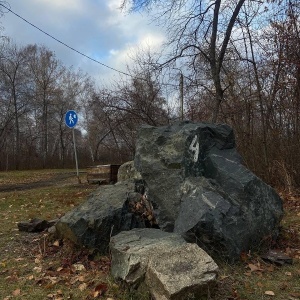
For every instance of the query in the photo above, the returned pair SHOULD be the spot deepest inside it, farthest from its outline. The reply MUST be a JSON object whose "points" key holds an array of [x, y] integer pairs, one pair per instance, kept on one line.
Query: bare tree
{"points": [[14, 92], [36, 92], [198, 29], [116, 113], [46, 72]]}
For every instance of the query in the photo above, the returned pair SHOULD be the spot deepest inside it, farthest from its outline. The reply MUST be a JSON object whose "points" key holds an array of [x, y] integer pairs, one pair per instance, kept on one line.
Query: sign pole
{"points": [[75, 152], [71, 121]]}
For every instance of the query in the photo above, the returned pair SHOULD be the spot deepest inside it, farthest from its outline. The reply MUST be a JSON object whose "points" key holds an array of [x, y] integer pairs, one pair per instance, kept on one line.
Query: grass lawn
{"points": [[37, 266]]}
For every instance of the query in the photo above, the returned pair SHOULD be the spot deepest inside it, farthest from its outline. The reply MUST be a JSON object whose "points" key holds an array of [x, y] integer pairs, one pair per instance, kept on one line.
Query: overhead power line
{"points": [[66, 45]]}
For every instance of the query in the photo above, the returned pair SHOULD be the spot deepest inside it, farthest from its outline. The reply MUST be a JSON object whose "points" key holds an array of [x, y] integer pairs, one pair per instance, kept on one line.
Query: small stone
{"points": [[52, 229]]}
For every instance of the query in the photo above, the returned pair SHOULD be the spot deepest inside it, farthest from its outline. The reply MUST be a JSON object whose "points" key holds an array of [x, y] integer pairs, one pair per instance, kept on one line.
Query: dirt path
{"points": [[57, 179]]}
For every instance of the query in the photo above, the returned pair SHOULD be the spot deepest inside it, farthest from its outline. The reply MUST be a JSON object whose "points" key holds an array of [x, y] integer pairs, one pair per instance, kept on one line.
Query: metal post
{"points": [[75, 152]]}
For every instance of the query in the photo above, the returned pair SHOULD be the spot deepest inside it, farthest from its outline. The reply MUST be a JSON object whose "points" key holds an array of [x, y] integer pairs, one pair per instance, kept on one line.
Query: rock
{"points": [[277, 257], [128, 171], [185, 272], [198, 187], [171, 268], [189, 179], [106, 213], [132, 249], [35, 225], [52, 230]]}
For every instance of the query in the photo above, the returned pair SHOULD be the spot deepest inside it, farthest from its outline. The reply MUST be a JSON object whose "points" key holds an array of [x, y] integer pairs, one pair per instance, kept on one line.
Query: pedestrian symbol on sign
{"points": [[71, 118], [71, 121]]}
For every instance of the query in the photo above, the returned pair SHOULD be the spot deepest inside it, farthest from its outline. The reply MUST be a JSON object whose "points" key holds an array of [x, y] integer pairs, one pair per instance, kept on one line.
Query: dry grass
{"points": [[37, 266]]}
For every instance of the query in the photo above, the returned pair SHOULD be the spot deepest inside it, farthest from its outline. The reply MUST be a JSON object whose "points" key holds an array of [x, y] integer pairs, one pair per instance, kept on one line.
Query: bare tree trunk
{"points": [[45, 130], [261, 107], [216, 60], [17, 128]]}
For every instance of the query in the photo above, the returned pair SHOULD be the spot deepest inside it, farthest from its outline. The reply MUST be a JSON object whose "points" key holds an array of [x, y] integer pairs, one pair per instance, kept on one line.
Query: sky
{"points": [[97, 28]]}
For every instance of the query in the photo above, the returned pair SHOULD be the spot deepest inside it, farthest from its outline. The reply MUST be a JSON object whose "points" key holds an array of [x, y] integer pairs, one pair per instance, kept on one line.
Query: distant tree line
{"points": [[240, 62], [36, 91]]}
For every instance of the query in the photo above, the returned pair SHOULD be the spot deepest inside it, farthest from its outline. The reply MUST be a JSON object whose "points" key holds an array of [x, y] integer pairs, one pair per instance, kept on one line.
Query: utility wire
{"points": [[73, 49]]}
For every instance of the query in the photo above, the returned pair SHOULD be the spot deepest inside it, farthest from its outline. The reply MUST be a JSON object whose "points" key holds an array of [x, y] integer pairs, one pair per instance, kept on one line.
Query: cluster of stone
{"points": [[187, 181]]}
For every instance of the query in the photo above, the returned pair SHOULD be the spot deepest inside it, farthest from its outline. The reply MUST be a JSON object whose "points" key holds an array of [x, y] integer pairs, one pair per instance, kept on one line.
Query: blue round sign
{"points": [[71, 118]]}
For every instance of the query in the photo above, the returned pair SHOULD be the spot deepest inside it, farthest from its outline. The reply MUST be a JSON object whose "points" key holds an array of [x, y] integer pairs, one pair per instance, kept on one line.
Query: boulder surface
{"points": [[198, 186], [106, 213], [128, 171], [187, 178], [131, 251], [171, 268]]}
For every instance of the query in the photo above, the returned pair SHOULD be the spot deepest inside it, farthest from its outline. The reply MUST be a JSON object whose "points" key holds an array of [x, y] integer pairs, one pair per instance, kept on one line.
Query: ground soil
{"points": [[56, 180]]}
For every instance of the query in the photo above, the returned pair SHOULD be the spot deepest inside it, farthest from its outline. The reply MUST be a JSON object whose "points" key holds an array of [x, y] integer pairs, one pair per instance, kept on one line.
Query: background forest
{"points": [[253, 70]]}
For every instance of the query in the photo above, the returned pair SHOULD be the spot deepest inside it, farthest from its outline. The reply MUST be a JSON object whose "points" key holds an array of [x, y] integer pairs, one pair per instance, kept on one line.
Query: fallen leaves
{"points": [[100, 290], [37, 269], [57, 266], [16, 292], [295, 295], [269, 293], [288, 273], [272, 280], [56, 243], [58, 295], [255, 268], [82, 286], [143, 208], [37, 260], [78, 267]]}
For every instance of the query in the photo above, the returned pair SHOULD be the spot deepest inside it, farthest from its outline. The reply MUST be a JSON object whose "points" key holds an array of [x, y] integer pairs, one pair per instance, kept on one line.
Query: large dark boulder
{"points": [[189, 179], [199, 188], [107, 212]]}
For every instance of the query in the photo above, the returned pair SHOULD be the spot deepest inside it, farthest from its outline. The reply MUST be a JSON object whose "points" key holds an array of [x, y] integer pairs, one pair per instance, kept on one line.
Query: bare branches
{"points": [[197, 29], [229, 30]]}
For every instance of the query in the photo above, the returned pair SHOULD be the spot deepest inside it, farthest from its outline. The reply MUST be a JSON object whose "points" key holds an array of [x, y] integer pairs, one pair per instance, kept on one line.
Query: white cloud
{"points": [[154, 41], [149, 41], [96, 28], [114, 4], [61, 6]]}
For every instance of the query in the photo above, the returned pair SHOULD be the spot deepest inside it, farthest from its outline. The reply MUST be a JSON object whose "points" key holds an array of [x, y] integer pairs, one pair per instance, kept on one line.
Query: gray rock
{"points": [[170, 267], [105, 213], [189, 179], [132, 249], [179, 273], [198, 187], [128, 171], [34, 225]]}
